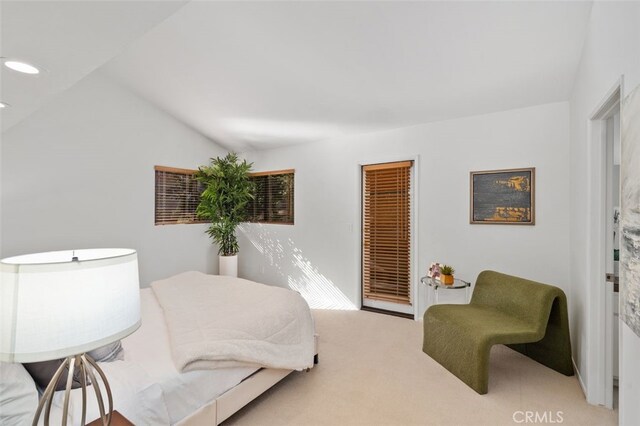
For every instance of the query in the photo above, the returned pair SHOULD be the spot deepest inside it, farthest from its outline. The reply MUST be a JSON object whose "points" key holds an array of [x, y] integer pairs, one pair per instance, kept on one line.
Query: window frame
{"points": [[291, 202], [179, 171]]}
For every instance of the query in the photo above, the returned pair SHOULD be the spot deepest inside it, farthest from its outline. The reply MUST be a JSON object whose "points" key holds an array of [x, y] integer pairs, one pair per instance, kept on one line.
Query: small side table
{"points": [[457, 285], [117, 419]]}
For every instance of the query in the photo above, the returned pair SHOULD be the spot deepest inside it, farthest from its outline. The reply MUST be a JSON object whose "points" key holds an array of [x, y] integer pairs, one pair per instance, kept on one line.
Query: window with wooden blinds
{"points": [[274, 197], [177, 196], [386, 232]]}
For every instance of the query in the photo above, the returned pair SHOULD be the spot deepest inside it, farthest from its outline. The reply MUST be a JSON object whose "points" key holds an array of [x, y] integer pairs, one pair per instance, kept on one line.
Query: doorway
{"points": [[603, 246], [386, 237], [612, 252]]}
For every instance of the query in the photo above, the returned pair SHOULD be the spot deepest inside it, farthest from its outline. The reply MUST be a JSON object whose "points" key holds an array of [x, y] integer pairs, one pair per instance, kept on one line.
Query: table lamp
{"points": [[62, 304]]}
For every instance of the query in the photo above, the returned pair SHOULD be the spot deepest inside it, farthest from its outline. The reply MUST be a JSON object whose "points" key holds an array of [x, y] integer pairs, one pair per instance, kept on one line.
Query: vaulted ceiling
{"points": [[255, 75], [68, 40]]}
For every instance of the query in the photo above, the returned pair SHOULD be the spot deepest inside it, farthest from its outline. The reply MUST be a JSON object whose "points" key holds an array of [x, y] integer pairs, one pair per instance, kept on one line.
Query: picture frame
{"points": [[502, 197]]}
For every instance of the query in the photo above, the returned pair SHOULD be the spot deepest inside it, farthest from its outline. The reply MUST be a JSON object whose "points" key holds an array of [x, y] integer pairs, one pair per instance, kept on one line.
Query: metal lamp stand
{"points": [[85, 364]]}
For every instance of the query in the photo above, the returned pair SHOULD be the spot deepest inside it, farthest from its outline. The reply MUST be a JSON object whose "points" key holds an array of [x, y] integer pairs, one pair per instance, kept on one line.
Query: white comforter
{"points": [[217, 321]]}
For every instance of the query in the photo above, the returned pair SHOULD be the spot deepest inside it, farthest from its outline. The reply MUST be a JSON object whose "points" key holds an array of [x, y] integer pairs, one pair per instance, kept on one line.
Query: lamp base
{"points": [[85, 364]]}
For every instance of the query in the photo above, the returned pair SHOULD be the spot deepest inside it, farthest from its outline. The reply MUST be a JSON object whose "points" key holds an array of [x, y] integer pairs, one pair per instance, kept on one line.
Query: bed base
{"points": [[227, 404], [234, 399]]}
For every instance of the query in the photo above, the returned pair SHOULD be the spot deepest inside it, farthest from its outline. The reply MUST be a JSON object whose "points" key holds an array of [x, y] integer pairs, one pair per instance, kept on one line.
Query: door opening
{"points": [[612, 251], [387, 237], [604, 213]]}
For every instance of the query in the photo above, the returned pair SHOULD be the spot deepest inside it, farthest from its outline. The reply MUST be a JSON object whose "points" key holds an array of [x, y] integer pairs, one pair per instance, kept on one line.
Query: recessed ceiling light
{"points": [[22, 67], [4, 105]]}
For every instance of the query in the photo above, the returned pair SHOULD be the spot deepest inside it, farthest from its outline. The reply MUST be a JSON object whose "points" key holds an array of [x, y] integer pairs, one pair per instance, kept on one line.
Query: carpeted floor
{"points": [[372, 371]]}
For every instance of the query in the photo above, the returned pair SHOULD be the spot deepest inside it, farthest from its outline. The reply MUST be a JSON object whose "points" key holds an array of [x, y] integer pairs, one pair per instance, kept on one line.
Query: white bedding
{"points": [[218, 321], [134, 395], [183, 392], [147, 388]]}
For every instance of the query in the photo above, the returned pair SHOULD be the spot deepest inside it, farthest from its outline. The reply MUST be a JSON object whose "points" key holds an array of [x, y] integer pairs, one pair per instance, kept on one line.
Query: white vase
{"points": [[228, 265]]}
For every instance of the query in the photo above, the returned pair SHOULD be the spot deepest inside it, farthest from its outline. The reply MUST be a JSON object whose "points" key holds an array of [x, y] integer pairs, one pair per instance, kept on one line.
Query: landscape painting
{"points": [[630, 213], [503, 197]]}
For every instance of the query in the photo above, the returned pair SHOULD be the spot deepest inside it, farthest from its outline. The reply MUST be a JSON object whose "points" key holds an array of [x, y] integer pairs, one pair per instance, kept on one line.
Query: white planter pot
{"points": [[228, 265]]}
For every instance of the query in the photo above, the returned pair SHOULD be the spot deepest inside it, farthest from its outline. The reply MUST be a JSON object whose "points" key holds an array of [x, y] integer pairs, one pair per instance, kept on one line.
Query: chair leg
{"points": [[466, 359]]}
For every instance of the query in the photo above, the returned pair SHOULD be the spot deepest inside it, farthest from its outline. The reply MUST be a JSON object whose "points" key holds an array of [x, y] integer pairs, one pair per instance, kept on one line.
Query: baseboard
{"points": [[582, 386], [385, 312]]}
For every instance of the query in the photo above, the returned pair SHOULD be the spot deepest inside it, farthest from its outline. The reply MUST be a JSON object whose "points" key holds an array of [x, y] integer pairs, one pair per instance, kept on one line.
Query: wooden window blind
{"points": [[177, 196], [386, 232], [274, 197]]}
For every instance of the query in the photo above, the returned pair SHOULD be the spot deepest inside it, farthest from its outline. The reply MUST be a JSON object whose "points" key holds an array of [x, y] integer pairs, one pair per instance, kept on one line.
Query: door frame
{"points": [[415, 179], [599, 347]]}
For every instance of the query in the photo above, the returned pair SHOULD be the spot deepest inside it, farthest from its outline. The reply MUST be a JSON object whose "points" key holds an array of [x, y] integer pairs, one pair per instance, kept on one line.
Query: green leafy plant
{"points": [[447, 270], [227, 191]]}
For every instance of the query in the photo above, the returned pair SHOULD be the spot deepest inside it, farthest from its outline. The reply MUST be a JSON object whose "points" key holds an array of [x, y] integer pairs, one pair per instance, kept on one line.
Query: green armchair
{"points": [[527, 316]]}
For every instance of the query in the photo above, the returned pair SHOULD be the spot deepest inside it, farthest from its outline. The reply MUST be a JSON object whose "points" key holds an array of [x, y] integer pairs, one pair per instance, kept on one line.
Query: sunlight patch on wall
{"points": [[296, 271], [317, 290], [257, 245]]}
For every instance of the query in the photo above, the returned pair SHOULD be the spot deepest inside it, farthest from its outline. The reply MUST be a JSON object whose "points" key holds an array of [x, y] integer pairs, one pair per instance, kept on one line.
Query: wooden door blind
{"points": [[177, 196], [274, 197], [386, 232]]}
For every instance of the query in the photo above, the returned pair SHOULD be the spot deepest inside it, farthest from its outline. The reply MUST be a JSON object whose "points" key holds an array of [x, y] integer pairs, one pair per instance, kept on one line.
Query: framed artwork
{"points": [[629, 214], [503, 197]]}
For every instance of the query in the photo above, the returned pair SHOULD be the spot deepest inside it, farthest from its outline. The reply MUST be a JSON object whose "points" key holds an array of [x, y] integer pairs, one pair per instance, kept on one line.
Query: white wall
{"points": [[79, 173], [611, 50], [320, 253]]}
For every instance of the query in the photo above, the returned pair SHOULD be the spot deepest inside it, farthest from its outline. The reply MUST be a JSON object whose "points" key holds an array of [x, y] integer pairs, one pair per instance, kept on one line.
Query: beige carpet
{"points": [[372, 371]]}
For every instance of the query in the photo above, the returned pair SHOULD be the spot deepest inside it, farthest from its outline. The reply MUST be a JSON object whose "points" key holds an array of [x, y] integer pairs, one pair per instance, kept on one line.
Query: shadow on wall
{"points": [[294, 270]]}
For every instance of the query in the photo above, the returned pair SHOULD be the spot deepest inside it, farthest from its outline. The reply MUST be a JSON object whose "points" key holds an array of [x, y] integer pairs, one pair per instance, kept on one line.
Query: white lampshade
{"points": [[52, 306]]}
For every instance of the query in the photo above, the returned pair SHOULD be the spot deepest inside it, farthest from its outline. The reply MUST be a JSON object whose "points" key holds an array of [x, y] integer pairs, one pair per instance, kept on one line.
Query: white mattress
{"points": [[147, 388]]}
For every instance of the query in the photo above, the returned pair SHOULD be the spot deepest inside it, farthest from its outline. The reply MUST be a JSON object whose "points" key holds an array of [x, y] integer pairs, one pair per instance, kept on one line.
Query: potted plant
{"points": [[223, 202], [446, 274]]}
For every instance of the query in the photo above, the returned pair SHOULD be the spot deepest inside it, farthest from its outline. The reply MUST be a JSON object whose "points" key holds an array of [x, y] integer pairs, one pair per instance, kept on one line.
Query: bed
{"points": [[148, 389]]}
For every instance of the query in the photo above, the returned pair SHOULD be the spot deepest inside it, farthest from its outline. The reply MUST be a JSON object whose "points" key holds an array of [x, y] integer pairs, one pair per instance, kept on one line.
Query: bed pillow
{"points": [[18, 395], [107, 353], [42, 373]]}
